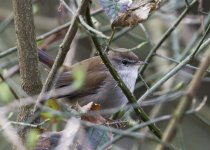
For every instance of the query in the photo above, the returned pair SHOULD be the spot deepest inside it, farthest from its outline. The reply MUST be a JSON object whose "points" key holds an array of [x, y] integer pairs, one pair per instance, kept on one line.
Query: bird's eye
{"points": [[124, 62]]}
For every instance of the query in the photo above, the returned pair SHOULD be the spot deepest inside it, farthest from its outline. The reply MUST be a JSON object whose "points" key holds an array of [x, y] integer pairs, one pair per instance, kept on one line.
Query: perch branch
{"points": [[139, 111]]}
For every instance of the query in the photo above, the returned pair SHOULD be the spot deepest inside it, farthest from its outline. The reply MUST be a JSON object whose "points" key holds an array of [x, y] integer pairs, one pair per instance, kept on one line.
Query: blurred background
{"points": [[194, 132]]}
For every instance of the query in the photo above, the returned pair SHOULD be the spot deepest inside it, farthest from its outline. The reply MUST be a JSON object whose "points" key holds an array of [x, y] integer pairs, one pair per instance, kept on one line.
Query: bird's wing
{"points": [[91, 85], [65, 79]]}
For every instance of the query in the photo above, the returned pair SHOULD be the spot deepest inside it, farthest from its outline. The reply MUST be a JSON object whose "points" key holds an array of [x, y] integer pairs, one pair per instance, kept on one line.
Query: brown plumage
{"points": [[99, 86]]}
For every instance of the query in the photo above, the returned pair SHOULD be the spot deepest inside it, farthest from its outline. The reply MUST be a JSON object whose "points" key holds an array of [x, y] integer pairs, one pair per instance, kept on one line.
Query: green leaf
{"points": [[50, 113], [79, 77], [5, 93], [39, 42], [35, 8], [179, 86], [52, 103], [32, 138]]}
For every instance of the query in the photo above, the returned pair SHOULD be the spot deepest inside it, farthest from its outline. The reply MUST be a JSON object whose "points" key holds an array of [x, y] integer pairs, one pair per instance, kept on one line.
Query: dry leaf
{"points": [[138, 12], [96, 118]]}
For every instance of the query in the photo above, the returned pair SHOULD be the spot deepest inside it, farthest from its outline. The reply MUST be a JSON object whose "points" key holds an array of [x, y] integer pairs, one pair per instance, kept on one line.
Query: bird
{"points": [[99, 86]]}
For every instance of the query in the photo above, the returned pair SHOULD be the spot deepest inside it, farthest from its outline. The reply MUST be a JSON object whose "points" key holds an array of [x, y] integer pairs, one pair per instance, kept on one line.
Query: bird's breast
{"points": [[129, 77]]}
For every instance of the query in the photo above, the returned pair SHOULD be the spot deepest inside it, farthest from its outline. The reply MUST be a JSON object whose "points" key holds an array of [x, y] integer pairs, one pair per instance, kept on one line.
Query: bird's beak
{"points": [[141, 63]]}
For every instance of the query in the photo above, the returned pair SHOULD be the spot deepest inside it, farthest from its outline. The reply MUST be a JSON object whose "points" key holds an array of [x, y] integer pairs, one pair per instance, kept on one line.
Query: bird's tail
{"points": [[45, 58]]}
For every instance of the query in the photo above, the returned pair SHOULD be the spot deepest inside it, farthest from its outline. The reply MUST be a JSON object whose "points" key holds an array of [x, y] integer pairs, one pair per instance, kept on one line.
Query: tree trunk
{"points": [[27, 53]]}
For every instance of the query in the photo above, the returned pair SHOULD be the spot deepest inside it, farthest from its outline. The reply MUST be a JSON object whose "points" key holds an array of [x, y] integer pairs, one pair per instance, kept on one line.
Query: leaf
{"points": [[127, 12], [39, 42], [5, 93], [179, 86], [95, 107], [135, 15], [32, 138], [79, 75], [35, 8], [96, 118], [52, 104]]}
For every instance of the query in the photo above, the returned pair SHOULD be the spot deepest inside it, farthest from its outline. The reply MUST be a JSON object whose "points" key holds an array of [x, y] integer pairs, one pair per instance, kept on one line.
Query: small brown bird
{"points": [[99, 86]]}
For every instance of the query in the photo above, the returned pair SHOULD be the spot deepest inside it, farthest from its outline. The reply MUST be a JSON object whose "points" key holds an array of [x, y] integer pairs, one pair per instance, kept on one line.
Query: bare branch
{"points": [[170, 131], [64, 47], [165, 36]]}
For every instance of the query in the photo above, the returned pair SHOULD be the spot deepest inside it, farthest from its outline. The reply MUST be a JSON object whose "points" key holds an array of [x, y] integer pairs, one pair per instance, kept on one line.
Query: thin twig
{"points": [[195, 38], [111, 37], [178, 62], [122, 133], [96, 32], [67, 7], [122, 32], [145, 83], [10, 133], [45, 35], [64, 48], [170, 130], [24, 124], [5, 23], [144, 29], [165, 36], [39, 38], [138, 46], [152, 121], [187, 3], [174, 70], [139, 111]]}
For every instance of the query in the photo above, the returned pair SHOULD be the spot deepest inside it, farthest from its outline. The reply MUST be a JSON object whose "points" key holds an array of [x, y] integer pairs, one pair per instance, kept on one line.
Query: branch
{"points": [[195, 38], [5, 23], [10, 133], [89, 28], [187, 3], [131, 99], [64, 48], [178, 62], [174, 70], [170, 131], [165, 36], [152, 121], [45, 35]]}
